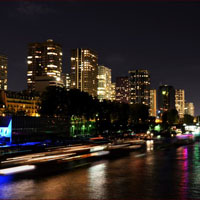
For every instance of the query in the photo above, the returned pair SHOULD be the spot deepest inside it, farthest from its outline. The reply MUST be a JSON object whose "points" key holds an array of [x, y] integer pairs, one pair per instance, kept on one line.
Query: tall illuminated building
{"points": [[139, 87], [84, 70], [123, 89], [166, 98], [180, 102], [66, 81], [44, 65], [153, 103], [3, 72], [189, 108], [113, 92], [104, 83]]}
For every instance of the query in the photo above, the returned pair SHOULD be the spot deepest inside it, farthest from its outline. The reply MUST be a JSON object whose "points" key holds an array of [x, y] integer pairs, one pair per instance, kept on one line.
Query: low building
{"points": [[43, 82], [18, 103]]}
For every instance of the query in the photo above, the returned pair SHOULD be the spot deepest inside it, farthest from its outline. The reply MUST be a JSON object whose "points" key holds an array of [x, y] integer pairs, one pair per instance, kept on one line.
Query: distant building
{"points": [[18, 103], [44, 65], [122, 89], [189, 108], [180, 102], [166, 98], [66, 81], [153, 103], [113, 92], [3, 72], [84, 70], [139, 87], [104, 83]]}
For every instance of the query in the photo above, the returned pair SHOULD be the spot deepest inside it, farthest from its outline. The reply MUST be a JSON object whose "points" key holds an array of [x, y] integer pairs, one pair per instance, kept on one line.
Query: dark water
{"points": [[167, 174]]}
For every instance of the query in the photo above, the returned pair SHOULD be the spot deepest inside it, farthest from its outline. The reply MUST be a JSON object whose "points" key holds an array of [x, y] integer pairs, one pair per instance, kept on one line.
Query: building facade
{"points": [[166, 98], [189, 108], [104, 83], [180, 102], [66, 81], [123, 89], [113, 92], [3, 72], [84, 70], [153, 103], [18, 103], [139, 87], [44, 65]]}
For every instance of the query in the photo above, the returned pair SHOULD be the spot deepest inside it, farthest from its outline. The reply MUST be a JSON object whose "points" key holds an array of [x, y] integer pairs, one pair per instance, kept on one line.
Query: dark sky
{"points": [[159, 36]]}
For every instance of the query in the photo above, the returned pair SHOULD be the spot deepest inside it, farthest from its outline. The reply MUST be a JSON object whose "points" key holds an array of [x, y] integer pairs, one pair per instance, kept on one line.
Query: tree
{"points": [[139, 113], [188, 119], [53, 102], [170, 117]]}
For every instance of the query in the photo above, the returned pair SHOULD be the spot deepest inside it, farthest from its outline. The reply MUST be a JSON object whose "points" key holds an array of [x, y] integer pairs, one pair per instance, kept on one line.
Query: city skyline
{"points": [[130, 35]]}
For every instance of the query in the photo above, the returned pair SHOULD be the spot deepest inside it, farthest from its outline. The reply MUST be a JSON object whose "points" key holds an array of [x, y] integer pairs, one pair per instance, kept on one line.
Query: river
{"points": [[172, 173]]}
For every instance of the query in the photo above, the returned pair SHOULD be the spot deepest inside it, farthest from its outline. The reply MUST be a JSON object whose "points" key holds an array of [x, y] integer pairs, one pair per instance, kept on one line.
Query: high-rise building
{"points": [[113, 92], [123, 89], [66, 81], [153, 103], [104, 83], [3, 72], [139, 87], [166, 98], [44, 65], [84, 70], [180, 102], [189, 108]]}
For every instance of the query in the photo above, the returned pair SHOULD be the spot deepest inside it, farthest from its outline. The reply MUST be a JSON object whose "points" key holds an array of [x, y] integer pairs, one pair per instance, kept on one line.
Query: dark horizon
{"points": [[162, 37]]}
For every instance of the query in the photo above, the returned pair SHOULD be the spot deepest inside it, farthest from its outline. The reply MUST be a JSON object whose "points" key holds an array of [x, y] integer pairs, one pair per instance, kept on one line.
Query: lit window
{"points": [[29, 62]]}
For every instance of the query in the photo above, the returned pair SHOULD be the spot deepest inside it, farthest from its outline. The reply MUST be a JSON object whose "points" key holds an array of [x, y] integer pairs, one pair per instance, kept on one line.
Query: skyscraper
{"points": [[104, 83], [180, 102], [139, 87], [113, 92], [166, 98], [44, 65], [153, 103], [189, 108], [123, 89], [66, 81], [84, 70], [3, 72]]}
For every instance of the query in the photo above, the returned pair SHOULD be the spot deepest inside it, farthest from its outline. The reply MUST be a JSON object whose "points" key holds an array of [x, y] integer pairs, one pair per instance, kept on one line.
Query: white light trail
{"points": [[12, 170]]}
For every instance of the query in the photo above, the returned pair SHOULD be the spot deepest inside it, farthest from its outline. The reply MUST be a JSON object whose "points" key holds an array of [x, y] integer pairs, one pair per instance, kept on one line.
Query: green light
{"points": [[83, 127], [157, 128]]}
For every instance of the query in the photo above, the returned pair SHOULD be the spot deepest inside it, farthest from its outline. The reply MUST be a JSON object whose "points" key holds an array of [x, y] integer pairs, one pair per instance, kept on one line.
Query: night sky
{"points": [[159, 36]]}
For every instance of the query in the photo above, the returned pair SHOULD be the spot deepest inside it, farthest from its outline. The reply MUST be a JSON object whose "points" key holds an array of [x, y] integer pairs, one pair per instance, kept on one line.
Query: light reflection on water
{"points": [[173, 173], [97, 181], [20, 190], [150, 145]]}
